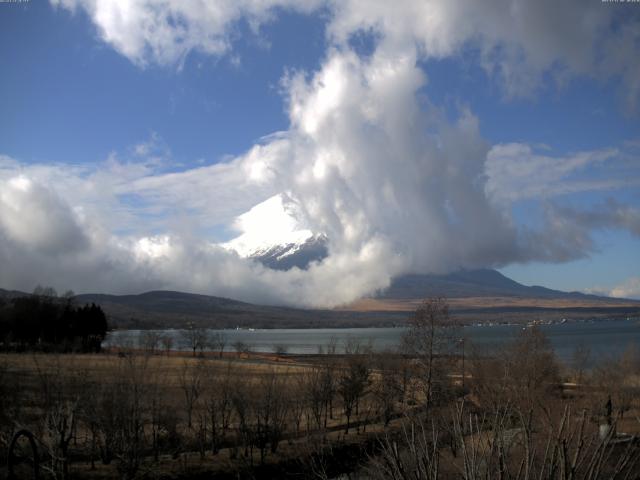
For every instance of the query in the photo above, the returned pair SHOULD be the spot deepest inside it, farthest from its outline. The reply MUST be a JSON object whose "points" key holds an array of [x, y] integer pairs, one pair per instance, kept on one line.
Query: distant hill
{"points": [[164, 309], [469, 283], [170, 309], [9, 294], [474, 295]]}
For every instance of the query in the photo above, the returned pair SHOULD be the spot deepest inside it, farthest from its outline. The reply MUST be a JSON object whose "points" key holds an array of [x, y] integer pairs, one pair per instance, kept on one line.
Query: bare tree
{"points": [[131, 411], [316, 394], [580, 360], [241, 347], [614, 377], [242, 400], [116, 411], [523, 372], [11, 401], [387, 388], [219, 342], [430, 337], [332, 345], [280, 349], [270, 412], [196, 338], [167, 343], [531, 368], [328, 384], [149, 341], [61, 390], [191, 383], [489, 376], [161, 416], [45, 292], [99, 412], [352, 385], [506, 445], [219, 391], [630, 360], [296, 393]]}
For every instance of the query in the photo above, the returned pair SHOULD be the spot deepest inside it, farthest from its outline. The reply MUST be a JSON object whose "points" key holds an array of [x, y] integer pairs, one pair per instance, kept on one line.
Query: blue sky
{"points": [[149, 133], [83, 100]]}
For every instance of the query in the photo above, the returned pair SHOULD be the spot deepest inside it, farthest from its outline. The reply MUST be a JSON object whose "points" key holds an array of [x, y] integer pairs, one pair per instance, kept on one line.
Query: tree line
{"points": [[48, 322]]}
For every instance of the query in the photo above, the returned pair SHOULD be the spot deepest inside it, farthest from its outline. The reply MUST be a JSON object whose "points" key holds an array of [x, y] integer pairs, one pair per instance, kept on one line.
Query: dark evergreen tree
{"points": [[45, 321]]}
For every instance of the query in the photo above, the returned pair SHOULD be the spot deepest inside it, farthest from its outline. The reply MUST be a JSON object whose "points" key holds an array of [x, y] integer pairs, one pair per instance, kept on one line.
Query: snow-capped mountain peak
{"points": [[272, 234], [295, 254]]}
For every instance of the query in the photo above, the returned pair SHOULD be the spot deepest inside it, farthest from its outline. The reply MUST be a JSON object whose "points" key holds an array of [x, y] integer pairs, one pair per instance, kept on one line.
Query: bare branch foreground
{"points": [[424, 412], [506, 445]]}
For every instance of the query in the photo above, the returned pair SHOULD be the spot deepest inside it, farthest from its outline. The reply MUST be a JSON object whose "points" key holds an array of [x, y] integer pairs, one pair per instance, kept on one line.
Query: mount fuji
{"points": [[273, 235]]}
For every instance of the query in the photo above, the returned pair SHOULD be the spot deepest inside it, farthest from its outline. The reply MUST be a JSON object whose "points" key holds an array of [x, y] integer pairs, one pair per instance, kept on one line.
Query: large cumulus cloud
{"points": [[394, 182], [35, 217], [517, 42], [165, 31]]}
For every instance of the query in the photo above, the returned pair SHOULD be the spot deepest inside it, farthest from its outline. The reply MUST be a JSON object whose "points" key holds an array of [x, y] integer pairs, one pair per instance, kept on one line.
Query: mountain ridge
{"points": [[474, 295], [469, 283], [287, 256]]}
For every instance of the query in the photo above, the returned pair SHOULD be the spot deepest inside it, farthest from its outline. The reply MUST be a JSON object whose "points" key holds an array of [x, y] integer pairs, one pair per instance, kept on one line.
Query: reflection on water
{"points": [[603, 338]]}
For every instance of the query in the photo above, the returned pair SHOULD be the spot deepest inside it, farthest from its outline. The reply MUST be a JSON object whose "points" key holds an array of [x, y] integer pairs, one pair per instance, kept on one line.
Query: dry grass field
{"points": [[136, 414], [410, 305], [248, 405]]}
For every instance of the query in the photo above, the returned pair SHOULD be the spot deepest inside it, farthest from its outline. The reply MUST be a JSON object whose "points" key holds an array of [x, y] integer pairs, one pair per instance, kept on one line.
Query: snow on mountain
{"points": [[272, 234], [300, 254]]}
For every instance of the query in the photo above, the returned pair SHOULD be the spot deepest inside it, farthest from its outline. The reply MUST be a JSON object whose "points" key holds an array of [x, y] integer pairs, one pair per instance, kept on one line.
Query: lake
{"points": [[604, 338]]}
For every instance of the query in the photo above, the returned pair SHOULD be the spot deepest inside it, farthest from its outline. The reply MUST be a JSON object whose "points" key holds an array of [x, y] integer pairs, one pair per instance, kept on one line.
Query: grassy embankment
{"points": [[131, 414]]}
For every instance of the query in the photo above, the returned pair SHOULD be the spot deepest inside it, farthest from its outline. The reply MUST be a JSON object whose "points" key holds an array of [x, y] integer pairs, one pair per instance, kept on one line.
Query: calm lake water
{"points": [[604, 338]]}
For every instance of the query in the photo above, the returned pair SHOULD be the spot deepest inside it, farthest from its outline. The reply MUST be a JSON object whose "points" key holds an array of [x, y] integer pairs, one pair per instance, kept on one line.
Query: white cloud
{"points": [[153, 152], [165, 31], [609, 214], [36, 218], [394, 183], [516, 42], [629, 289], [152, 248], [515, 172], [371, 166], [272, 222], [213, 194]]}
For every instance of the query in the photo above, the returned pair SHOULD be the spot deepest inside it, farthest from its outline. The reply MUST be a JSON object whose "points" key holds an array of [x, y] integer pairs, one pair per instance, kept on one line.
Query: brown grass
{"points": [[168, 369], [410, 305]]}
